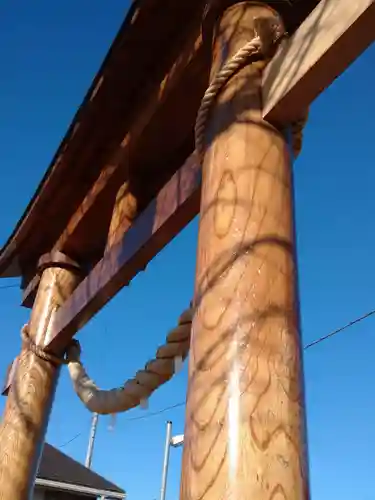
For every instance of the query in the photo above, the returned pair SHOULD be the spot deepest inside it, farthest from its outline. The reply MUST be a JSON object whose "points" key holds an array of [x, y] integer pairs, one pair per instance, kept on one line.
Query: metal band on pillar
{"points": [[59, 260]]}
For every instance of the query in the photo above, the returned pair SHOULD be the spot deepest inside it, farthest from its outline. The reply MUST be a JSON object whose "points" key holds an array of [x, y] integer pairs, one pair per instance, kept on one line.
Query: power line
{"points": [[142, 417], [155, 413], [339, 330], [70, 440]]}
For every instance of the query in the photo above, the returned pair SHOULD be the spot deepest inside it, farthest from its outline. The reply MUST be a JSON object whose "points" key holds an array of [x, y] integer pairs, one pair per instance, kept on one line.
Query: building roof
{"points": [[107, 115], [60, 468]]}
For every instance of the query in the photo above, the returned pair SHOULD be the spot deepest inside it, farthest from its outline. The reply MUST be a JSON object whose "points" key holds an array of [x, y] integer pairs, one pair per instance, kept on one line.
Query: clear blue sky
{"points": [[49, 52]]}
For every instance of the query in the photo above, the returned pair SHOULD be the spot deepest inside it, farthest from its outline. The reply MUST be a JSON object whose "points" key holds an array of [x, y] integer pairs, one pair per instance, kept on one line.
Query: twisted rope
{"points": [[137, 390], [39, 351], [245, 55], [230, 68]]}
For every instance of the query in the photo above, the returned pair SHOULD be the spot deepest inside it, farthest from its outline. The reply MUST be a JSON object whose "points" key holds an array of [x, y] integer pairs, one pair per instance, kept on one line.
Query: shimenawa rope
{"points": [[137, 390], [238, 61]]}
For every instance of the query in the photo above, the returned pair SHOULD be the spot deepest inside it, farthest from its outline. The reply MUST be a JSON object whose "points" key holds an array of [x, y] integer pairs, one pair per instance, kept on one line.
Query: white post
{"points": [[166, 461], [90, 449]]}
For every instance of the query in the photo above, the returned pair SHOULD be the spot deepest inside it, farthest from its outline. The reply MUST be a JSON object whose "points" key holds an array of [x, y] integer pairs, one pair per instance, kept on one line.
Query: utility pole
{"points": [[90, 448]]}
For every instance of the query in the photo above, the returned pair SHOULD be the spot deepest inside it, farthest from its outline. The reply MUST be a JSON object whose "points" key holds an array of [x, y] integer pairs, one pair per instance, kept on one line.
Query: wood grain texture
{"points": [[245, 424], [29, 402]]}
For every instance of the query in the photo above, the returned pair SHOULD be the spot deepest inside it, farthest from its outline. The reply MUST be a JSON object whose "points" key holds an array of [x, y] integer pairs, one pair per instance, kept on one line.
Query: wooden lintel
{"points": [[326, 43], [174, 207]]}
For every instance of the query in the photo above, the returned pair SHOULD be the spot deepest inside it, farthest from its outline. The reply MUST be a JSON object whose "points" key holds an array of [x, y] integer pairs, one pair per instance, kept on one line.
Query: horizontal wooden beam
{"points": [[174, 207], [326, 43]]}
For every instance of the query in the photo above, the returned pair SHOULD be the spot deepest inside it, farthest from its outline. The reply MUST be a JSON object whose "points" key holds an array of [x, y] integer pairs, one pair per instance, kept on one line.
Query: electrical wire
{"points": [[339, 330], [142, 417], [306, 347], [70, 440], [155, 413]]}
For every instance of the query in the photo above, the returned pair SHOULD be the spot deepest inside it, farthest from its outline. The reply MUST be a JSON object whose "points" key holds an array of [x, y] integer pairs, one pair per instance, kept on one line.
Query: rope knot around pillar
{"points": [[40, 352], [53, 259], [268, 34]]}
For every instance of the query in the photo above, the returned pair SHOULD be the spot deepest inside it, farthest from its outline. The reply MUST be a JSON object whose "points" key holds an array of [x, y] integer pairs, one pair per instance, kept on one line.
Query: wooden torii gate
{"points": [[126, 180]]}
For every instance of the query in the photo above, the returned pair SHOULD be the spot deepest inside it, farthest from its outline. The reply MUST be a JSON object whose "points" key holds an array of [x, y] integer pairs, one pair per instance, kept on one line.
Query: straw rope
{"points": [[248, 54], [137, 390]]}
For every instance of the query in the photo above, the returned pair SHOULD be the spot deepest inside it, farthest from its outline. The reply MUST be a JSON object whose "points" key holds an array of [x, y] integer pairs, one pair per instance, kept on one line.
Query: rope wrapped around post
{"points": [[138, 389], [39, 351], [249, 54]]}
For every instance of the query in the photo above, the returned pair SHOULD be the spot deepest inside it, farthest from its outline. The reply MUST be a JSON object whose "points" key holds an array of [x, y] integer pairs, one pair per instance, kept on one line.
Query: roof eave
{"points": [[86, 490]]}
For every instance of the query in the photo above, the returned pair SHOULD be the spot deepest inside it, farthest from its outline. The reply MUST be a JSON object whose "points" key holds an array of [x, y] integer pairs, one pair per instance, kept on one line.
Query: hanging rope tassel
{"points": [[138, 389]]}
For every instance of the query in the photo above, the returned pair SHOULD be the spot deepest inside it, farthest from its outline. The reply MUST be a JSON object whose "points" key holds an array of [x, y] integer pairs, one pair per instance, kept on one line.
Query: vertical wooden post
{"points": [[124, 212], [245, 423], [30, 398]]}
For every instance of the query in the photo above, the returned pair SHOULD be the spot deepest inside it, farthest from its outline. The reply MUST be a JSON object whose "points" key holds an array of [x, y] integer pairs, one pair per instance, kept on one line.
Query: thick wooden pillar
{"points": [[25, 421], [245, 424]]}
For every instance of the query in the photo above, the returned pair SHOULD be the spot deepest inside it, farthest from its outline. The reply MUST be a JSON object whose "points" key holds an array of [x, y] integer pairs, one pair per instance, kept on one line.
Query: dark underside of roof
{"points": [[150, 42], [57, 466]]}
